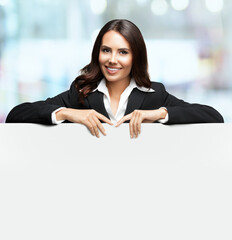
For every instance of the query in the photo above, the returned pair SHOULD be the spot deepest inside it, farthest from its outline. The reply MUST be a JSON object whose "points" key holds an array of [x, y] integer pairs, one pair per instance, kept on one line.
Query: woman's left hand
{"points": [[139, 116]]}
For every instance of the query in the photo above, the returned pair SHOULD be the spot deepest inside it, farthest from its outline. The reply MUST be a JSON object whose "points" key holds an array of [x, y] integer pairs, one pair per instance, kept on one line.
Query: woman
{"points": [[115, 88]]}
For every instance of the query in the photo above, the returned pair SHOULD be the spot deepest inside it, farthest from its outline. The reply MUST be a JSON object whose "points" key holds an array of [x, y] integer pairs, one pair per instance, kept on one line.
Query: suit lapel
{"points": [[135, 100], [95, 101]]}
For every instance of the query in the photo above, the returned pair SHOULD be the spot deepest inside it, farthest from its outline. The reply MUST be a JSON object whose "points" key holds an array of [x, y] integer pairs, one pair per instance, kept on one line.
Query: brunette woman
{"points": [[114, 88]]}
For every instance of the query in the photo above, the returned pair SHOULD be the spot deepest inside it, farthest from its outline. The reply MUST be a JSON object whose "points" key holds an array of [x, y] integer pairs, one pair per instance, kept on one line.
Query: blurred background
{"points": [[44, 44]]}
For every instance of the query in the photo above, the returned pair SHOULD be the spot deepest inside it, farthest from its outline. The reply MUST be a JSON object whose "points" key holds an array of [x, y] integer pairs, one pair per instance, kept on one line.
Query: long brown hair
{"points": [[91, 74]]}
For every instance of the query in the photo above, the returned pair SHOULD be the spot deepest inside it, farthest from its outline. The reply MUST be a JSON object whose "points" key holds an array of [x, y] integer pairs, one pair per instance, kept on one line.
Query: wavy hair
{"points": [[91, 74]]}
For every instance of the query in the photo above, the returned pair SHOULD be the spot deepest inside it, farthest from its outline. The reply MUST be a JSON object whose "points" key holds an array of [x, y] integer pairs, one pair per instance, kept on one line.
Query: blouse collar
{"points": [[103, 88]]}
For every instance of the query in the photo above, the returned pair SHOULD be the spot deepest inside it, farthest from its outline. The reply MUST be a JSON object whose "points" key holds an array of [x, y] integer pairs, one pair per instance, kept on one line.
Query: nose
{"points": [[113, 59]]}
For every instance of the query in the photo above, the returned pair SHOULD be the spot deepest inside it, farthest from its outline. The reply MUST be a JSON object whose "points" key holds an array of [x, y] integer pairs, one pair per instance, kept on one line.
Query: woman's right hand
{"points": [[88, 117]]}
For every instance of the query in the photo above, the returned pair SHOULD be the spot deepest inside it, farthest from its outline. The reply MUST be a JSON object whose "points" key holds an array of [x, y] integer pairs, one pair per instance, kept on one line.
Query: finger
{"points": [[94, 127], [100, 126], [89, 126], [137, 123], [103, 118], [134, 124], [123, 119], [131, 126]]}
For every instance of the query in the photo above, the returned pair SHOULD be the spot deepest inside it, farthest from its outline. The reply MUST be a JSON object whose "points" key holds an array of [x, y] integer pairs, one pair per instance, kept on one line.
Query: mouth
{"points": [[112, 70]]}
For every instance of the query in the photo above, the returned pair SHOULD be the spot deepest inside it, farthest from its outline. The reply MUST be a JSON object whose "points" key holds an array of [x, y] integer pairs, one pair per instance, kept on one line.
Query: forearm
{"points": [[163, 113], [61, 115], [38, 112], [69, 114], [193, 113], [155, 115]]}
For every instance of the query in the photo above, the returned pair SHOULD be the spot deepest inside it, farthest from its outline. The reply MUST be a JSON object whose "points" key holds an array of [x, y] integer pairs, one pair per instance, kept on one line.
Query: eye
{"points": [[105, 50], [123, 52]]}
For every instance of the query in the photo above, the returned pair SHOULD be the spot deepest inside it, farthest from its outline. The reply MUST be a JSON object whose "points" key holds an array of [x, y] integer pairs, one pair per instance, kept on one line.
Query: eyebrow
{"points": [[118, 49]]}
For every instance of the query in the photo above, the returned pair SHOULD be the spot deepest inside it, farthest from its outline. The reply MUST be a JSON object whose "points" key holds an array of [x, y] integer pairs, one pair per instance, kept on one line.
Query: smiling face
{"points": [[115, 57]]}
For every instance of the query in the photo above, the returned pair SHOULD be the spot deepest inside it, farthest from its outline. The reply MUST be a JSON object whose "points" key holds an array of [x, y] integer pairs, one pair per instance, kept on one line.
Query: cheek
{"points": [[127, 62], [102, 58]]}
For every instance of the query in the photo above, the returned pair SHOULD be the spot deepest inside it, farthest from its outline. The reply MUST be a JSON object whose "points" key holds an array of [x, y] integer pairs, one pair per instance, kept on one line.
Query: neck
{"points": [[117, 88]]}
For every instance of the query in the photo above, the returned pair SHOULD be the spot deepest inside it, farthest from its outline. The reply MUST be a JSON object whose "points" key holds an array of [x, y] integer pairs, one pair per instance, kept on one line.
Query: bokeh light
{"points": [[159, 7], [214, 5], [179, 5], [98, 6]]}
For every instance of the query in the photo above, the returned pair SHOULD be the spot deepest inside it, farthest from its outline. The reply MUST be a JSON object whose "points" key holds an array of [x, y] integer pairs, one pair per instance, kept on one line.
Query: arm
{"points": [[145, 116], [41, 111], [88, 117], [38, 112], [164, 104], [181, 112]]}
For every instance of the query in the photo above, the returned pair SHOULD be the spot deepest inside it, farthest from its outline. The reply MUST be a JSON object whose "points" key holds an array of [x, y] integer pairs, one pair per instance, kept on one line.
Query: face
{"points": [[115, 57]]}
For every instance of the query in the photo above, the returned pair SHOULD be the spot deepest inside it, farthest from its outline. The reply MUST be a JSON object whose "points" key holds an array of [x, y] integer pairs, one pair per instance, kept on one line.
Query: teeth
{"points": [[113, 69]]}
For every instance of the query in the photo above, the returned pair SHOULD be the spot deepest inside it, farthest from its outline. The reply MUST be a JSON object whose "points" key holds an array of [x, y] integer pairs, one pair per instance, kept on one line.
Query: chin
{"points": [[113, 78]]}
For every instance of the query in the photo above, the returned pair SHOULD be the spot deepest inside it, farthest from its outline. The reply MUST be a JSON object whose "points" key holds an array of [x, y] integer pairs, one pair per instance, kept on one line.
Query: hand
{"points": [[139, 116], [88, 117]]}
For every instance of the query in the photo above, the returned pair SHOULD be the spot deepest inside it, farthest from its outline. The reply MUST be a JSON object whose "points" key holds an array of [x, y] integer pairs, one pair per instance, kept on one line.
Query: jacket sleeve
{"points": [[181, 112], [41, 111]]}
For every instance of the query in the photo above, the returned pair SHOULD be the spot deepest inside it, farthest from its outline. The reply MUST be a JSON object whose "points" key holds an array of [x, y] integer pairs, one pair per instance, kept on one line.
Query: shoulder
{"points": [[73, 86], [73, 91], [157, 86]]}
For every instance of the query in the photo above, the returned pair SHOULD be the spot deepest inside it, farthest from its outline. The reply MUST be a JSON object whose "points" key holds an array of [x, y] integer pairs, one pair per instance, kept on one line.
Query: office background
{"points": [[44, 44]]}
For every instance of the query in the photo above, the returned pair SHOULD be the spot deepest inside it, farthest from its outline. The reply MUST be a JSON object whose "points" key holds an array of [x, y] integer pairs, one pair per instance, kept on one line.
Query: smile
{"points": [[112, 70]]}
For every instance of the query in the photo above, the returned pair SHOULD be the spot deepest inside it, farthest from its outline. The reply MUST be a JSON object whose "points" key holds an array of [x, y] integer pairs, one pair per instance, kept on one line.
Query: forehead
{"points": [[115, 39]]}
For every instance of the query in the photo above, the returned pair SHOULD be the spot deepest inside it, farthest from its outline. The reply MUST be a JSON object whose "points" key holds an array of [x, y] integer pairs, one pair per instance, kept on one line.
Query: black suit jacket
{"points": [[180, 112]]}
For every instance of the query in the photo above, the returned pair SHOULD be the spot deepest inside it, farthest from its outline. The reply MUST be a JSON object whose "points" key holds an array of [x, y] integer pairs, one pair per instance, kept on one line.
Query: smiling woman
{"points": [[115, 58], [115, 88]]}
